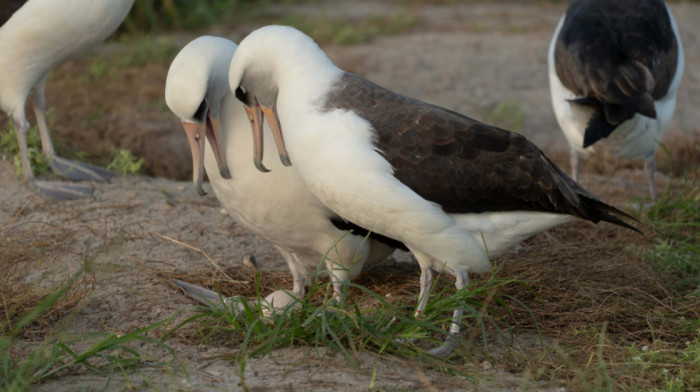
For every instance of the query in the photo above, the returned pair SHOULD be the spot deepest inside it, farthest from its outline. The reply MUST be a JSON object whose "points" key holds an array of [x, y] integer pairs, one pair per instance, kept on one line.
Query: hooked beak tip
{"points": [[225, 173], [258, 164], [285, 160]]}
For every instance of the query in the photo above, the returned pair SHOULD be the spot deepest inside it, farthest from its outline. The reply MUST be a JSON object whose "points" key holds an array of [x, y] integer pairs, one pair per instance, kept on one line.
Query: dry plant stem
{"points": [[17, 215], [213, 263]]}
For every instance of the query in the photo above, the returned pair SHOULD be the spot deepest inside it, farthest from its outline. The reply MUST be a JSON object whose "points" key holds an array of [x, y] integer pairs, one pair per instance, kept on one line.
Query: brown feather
{"points": [[461, 164]]}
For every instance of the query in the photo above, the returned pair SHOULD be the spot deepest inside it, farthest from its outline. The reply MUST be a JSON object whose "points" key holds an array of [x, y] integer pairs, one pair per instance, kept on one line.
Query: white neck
{"points": [[305, 80]]}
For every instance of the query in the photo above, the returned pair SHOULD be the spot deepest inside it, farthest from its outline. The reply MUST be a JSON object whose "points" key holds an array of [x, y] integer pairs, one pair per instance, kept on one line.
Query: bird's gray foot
{"points": [[204, 296], [79, 171], [445, 350], [58, 190], [451, 342]]}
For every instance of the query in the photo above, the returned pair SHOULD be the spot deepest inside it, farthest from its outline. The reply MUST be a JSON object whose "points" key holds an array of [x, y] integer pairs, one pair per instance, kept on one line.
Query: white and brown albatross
{"points": [[36, 36], [276, 206], [453, 190], [614, 71]]}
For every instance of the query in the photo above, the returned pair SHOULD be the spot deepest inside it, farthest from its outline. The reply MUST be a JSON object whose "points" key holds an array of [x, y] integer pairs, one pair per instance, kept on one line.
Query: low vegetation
{"points": [[125, 163]]}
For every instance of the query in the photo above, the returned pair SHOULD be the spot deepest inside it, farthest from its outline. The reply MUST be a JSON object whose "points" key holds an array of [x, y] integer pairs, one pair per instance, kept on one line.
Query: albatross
{"points": [[276, 206], [453, 190], [36, 36], [614, 71]]}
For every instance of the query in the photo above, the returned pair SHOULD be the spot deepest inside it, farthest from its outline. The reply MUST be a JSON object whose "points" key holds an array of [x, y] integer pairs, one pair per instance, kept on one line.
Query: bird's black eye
{"points": [[242, 95], [201, 111]]}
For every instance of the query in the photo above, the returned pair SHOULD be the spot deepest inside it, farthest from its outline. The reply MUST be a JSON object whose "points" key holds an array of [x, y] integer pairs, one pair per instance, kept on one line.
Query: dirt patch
{"points": [[464, 57]]}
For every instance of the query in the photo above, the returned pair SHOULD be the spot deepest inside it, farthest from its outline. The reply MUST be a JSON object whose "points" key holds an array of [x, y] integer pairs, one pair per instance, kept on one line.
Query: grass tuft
{"points": [[24, 362], [125, 163], [676, 249], [367, 322]]}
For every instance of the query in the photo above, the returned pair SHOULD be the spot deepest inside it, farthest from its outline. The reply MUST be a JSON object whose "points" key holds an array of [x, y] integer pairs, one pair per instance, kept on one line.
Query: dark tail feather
{"points": [[607, 213], [600, 124], [632, 89], [597, 128]]}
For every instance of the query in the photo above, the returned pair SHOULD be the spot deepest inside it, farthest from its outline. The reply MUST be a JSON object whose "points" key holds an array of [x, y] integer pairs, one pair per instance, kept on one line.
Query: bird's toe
{"points": [[57, 190]]}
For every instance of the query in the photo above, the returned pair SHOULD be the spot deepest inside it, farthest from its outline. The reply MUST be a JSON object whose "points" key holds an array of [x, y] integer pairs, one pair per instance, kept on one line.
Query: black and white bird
{"points": [[276, 206], [614, 71], [453, 190], [35, 37]]}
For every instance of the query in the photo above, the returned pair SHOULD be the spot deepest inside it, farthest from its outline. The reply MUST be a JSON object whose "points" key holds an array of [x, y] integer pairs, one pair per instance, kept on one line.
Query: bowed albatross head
{"points": [[196, 84], [265, 59]]}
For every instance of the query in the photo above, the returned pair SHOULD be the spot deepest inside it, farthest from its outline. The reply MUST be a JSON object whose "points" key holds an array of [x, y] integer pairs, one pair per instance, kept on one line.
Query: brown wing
{"points": [[459, 163], [8, 8]]}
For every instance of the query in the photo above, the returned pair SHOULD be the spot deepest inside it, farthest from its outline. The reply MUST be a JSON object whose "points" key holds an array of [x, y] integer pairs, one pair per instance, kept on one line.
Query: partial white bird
{"points": [[276, 206], [453, 190], [35, 37], [614, 71]]}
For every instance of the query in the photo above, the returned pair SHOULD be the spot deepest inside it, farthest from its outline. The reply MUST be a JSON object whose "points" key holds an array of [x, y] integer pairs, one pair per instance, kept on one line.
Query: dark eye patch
{"points": [[201, 111], [242, 96]]}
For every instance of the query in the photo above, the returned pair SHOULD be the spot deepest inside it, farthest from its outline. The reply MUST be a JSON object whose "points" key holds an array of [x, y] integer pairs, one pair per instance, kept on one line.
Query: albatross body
{"points": [[276, 206], [453, 190], [36, 36], [614, 71]]}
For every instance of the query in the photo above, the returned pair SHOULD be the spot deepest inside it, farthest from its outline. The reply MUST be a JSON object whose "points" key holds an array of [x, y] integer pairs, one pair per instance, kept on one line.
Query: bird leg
{"points": [[574, 161], [443, 351], [340, 276], [426, 284], [650, 169], [54, 190], [72, 170], [21, 130], [39, 105], [298, 277]]}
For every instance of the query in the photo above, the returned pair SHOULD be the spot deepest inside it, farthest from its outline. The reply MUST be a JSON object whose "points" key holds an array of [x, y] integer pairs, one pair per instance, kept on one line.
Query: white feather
{"points": [[276, 206]]}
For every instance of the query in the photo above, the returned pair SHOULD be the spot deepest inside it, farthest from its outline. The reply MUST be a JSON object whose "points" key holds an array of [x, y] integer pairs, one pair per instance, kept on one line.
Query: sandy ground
{"points": [[468, 58]]}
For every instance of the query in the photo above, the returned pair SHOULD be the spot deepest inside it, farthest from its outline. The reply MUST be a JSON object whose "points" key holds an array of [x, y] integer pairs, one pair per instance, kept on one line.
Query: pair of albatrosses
{"points": [[276, 206], [450, 189]]}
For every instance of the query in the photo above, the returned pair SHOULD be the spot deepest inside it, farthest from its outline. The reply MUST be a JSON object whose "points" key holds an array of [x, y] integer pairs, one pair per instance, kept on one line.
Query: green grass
{"points": [[674, 367], [26, 363], [173, 15], [353, 327], [671, 361], [164, 15], [8, 143], [676, 220], [125, 163], [139, 50], [144, 50]]}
